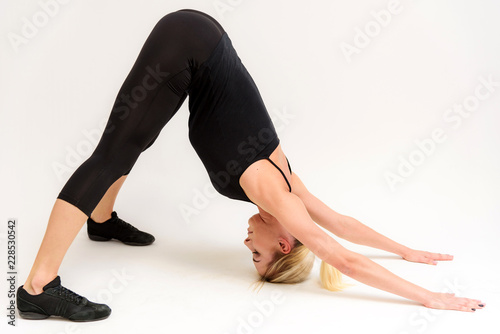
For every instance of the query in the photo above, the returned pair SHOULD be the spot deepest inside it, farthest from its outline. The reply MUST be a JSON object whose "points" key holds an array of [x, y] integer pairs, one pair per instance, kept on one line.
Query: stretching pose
{"points": [[189, 53]]}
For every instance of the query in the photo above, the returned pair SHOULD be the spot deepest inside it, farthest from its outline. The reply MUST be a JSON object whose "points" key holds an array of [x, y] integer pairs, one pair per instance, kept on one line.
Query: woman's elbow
{"points": [[345, 263], [346, 268]]}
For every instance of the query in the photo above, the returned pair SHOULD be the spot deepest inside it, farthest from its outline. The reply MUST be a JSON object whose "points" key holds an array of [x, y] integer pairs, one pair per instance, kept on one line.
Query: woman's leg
{"points": [[151, 94], [58, 237], [149, 97], [66, 219], [104, 224], [65, 222]]}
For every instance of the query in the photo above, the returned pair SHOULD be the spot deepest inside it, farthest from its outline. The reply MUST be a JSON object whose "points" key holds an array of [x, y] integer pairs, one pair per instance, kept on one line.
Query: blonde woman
{"points": [[189, 53]]}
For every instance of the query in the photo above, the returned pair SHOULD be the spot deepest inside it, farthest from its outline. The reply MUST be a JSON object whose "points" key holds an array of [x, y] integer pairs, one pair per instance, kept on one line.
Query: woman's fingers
{"points": [[449, 301], [434, 257], [473, 303], [427, 257], [442, 257], [468, 305]]}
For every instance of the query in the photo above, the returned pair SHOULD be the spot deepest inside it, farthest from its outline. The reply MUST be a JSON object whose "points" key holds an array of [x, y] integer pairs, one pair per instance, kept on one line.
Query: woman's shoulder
{"points": [[264, 178]]}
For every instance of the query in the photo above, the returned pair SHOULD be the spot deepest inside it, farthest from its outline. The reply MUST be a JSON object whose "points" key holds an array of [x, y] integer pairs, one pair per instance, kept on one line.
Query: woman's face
{"points": [[266, 236]]}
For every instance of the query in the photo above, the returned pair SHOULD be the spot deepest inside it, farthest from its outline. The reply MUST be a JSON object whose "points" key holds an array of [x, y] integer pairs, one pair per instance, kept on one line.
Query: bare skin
{"points": [[65, 222], [282, 217], [266, 237], [285, 216]]}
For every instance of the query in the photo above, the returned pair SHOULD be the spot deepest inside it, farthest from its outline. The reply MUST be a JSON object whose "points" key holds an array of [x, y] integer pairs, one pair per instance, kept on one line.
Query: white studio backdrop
{"points": [[388, 111]]}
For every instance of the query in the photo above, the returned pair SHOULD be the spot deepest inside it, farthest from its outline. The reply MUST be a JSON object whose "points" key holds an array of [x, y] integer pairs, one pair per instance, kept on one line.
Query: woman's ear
{"points": [[285, 246]]}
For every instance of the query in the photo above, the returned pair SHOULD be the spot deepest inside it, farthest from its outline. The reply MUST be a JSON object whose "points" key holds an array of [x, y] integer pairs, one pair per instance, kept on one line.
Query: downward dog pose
{"points": [[189, 53]]}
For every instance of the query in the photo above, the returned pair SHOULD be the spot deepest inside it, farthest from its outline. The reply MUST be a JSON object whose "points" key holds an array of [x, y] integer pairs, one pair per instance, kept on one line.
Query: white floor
{"points": [[197, 278], [343, 125]]}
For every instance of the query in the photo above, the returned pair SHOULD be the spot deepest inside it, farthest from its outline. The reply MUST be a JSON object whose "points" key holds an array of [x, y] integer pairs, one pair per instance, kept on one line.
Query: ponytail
{"points": [[331, 277], [296, 266]]}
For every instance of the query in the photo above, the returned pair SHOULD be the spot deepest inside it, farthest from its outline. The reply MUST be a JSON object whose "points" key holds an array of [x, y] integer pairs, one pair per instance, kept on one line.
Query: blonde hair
{"points": [[296, 266]]}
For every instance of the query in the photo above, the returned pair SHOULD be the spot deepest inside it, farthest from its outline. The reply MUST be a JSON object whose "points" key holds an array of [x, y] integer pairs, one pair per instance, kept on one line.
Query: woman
{"points": [[189, 53]]}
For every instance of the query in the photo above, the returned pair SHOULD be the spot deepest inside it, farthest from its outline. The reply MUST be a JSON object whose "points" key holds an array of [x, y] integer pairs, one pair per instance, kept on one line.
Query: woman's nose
{"points": [[247, 240]]}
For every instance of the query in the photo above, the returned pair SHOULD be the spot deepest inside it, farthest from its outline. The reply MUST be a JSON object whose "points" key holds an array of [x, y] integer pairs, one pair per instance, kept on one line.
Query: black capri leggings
{"points": [[152, 93]]}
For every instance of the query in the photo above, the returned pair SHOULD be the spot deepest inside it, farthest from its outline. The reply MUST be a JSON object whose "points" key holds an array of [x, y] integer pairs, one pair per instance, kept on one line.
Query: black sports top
{"points": [[229, 126]]}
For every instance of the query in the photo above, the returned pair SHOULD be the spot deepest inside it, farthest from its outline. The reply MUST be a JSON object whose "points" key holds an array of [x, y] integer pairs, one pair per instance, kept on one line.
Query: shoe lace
{"points": [[125, 226], [68, 295]]}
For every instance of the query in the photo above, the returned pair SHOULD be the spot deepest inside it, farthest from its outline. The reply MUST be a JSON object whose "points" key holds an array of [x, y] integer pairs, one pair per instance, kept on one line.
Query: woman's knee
{"points": [[118, 161]]}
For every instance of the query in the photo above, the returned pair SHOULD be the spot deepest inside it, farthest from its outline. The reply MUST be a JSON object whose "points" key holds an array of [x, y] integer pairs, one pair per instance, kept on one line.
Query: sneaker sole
{"points": [[136, 244], [99, 238], [33, 315], [39, 316]]}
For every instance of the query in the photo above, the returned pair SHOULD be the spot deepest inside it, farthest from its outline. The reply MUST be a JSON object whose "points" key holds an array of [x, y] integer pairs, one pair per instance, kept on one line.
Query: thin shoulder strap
{"points": [[289, 187]]}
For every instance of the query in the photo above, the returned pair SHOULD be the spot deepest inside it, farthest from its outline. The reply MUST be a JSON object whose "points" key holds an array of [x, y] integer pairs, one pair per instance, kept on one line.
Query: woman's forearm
{"points": [[358, 233], [370, 273], [347, 227]]}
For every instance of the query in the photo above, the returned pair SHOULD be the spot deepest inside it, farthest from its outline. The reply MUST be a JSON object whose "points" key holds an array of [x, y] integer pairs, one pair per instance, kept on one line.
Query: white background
{"points": [[348, 125]]}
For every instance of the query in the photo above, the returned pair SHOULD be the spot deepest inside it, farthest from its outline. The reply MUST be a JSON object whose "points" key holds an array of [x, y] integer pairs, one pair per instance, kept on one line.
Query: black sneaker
{"points": [[56, 300], [115, 228]]}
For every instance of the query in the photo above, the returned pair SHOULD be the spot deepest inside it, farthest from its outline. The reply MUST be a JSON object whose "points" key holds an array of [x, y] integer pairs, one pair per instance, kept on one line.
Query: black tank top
{"points": [[229, 126]]}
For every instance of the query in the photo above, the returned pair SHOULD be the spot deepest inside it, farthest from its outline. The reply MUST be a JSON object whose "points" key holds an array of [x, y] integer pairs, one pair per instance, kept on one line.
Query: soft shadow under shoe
{"points": [[115, 228], [56, 300]]}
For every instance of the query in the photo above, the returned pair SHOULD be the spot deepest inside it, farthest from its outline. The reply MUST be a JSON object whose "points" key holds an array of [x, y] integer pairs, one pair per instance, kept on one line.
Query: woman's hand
{"points": [[448, 301], [426, 257]]}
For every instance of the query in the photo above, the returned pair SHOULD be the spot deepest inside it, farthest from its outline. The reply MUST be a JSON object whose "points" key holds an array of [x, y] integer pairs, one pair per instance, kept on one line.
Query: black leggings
{"points": [[152, 93]]}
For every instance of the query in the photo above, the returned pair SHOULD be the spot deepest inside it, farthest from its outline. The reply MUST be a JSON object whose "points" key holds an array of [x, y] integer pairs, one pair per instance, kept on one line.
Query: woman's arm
{"points": [[352, 230], [290, 211]]}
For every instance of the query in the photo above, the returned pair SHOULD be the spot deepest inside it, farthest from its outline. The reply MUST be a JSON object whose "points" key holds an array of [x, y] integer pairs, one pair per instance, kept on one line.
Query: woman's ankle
{"points": [[35, 284], [100, 217]]}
